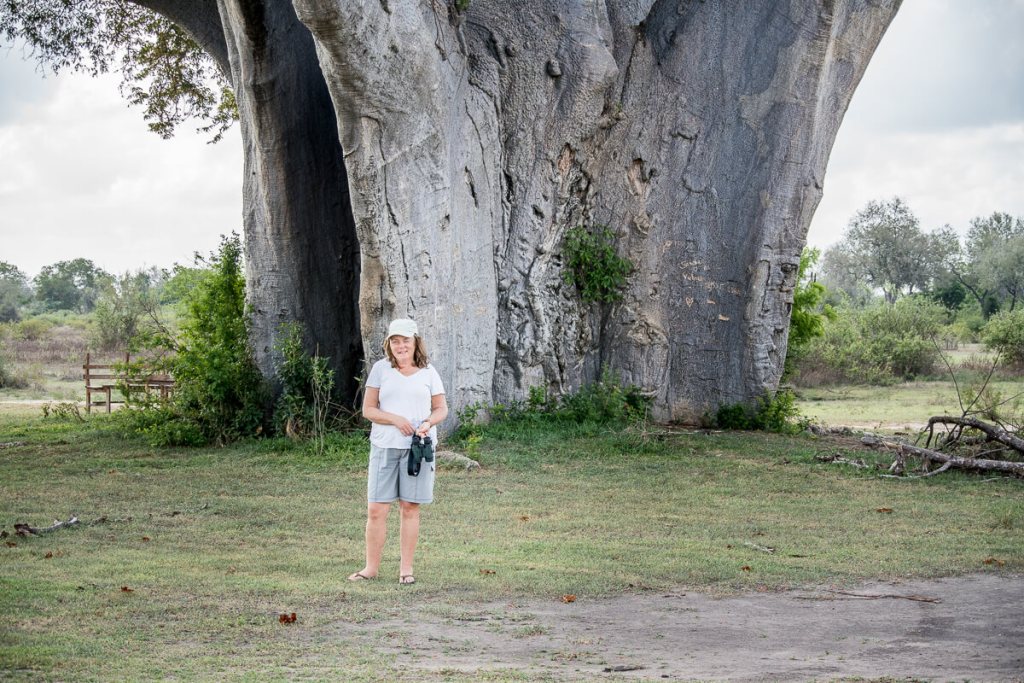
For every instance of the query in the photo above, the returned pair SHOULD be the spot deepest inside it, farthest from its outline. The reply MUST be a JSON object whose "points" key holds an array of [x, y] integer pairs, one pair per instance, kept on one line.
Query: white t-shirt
{"points": [[406, 396]]}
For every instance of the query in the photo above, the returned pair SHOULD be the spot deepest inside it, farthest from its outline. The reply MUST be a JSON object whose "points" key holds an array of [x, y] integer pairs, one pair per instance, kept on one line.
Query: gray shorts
{"points": [[389, 478]]}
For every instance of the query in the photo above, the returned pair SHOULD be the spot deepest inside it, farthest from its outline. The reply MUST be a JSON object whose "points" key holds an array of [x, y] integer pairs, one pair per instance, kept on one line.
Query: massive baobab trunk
{"points": [[302, 258], [698, 131]]}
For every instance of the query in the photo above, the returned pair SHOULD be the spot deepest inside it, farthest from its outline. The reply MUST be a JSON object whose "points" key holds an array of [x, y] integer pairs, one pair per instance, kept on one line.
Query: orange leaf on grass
{"points": [[568, 597], [287, 618], [49, 554], [126, 589], [747, 568], [992, 560], [487, 571], [885, 510]]}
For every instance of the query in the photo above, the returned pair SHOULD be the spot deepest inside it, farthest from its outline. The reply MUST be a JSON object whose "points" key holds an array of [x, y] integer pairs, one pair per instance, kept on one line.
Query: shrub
{"points": [[217, 383], [9, 378], [294, 410], [593, 265], [1004, 334], [126, 313], [606, 401], [876, 345], [219, 393], [32, 329], [809, 312], [771, 413]]}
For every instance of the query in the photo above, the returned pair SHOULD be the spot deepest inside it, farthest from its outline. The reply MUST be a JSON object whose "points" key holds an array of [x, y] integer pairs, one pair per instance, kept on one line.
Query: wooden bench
{"points": [[112, 377]]}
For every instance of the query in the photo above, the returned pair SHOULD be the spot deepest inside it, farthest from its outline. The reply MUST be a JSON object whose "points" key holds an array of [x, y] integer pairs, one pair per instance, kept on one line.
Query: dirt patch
{"points": [[957, 628]]}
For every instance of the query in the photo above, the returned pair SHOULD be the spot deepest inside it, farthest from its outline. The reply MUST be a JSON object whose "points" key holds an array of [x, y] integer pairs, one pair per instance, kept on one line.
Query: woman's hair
{"points": [[419, 353]]}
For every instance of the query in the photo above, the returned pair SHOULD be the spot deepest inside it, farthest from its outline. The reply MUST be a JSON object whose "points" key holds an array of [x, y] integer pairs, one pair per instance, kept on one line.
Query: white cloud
{"points": [[938, 119], [944, 176], [83, 177]]}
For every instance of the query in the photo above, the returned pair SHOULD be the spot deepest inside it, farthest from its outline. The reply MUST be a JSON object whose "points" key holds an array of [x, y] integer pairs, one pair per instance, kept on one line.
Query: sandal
{"points": [[359, 576], [406, 580]]}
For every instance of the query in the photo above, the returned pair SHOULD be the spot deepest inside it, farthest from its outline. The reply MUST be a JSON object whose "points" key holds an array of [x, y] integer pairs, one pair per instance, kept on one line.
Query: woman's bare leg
{"points": [[409, 534], [376, 532]]}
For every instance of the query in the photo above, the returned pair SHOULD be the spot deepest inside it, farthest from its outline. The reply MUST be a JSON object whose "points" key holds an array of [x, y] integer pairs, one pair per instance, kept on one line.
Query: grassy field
{"points": [[901, 406], [202, 549]]}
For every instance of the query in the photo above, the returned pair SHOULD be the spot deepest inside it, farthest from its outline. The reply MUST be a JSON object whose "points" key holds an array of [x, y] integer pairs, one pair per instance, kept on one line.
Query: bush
{"points": [[770, 413], [606, 401], [219, 393], [876, 345], [32, 329], [126, 313], [217, 383], [9, 378], [1004, 334]]}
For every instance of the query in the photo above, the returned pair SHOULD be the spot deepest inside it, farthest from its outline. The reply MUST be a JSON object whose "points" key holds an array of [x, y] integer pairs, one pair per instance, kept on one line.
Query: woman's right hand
{"points": [[403, 426]]}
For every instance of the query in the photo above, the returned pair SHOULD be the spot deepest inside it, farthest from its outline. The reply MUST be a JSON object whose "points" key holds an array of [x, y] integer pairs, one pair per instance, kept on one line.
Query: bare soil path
{"points": [[949, 629]]}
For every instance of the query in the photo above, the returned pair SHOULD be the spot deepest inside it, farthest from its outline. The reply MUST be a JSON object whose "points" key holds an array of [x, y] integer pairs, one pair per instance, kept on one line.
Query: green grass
{"points": [[907, 404], [238, 535]]}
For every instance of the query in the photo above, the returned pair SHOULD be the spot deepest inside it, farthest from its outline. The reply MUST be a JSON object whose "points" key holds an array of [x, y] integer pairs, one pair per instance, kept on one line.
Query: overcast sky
{"points": [[938, 120]]}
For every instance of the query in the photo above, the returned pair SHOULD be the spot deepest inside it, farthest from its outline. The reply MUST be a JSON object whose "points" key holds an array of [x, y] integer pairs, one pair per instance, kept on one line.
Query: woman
{"points": [[404, 396]]}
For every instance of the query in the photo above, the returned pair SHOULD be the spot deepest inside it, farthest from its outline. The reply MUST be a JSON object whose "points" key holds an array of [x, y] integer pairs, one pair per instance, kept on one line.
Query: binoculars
{"points": [[422, 449]]}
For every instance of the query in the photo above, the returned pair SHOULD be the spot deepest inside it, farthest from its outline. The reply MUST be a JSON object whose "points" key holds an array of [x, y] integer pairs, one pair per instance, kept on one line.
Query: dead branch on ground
{"points": [[947, 460]]}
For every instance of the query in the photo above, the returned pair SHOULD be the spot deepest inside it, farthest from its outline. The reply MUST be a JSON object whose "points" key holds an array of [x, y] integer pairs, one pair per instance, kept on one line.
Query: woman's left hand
{"points": [[424, 428]]}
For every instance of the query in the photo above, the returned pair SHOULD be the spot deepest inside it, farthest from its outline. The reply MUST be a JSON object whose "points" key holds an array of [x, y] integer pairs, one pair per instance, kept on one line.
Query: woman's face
{"points": [[402, 348]]}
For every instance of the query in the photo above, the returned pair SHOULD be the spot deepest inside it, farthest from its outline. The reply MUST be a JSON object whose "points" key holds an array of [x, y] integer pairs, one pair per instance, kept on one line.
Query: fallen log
{"points": [[993, 432], [25, 530], [946, 459]]}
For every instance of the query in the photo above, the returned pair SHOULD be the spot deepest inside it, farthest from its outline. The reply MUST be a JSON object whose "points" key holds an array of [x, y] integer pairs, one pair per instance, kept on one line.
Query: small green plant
{"points": [[809, 312], [307, 384], [293, 414], [64, 410], [462, 5], [770, 413], [322, 384], [592, 264]]}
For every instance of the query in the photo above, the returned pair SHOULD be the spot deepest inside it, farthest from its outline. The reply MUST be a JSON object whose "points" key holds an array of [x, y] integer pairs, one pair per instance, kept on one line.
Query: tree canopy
{"points": [[163, 70], [70, 285], [885, 248]]}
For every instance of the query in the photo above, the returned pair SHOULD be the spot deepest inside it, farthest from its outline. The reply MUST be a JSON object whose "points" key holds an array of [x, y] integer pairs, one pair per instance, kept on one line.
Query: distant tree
{"points": [[127, 309], [181, 280], [885, 247], [840, 274], [14, 291], [994, 264], [70, 285]]}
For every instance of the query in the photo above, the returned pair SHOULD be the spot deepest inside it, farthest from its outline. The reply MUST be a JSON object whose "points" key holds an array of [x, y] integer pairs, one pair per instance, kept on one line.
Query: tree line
{"points": [[885, 301]]}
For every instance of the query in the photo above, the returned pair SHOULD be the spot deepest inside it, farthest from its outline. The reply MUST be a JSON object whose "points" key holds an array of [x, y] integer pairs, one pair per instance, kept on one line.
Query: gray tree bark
{"points": [[699, 131], [302, 257]]}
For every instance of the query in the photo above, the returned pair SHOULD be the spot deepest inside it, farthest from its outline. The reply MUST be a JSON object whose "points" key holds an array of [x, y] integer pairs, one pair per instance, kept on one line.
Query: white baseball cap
{"points": [[403, 327]]}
